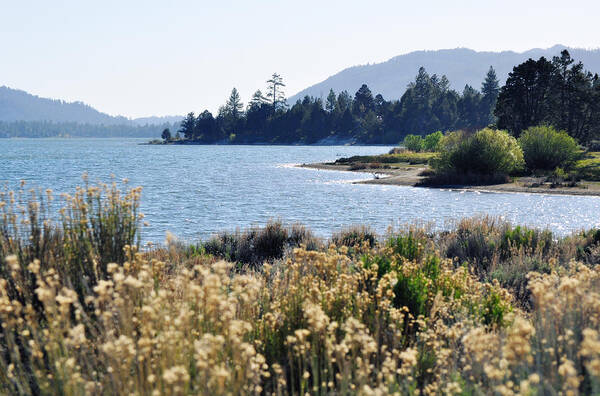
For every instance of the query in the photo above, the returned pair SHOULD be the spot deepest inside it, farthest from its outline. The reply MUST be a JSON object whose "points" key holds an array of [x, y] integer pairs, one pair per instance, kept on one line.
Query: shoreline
{"points": [[226, 143], [409, 177]]}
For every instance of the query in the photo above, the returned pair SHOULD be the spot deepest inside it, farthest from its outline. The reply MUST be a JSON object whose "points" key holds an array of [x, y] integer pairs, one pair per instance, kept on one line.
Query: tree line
{"points": [[558, 93], [428, 105], [41, 129]]}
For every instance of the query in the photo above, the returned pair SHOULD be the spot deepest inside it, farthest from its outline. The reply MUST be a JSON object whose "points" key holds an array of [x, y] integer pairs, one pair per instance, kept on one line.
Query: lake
{"points": [[196, 191]]}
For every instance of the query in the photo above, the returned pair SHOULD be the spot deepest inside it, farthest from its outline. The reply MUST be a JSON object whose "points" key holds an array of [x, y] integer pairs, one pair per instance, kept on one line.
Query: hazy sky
{"points": [[139, 58]]}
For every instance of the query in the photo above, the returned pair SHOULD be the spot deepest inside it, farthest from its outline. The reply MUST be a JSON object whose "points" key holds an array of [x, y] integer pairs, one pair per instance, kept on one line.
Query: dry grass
{"points": [[394, 316]]}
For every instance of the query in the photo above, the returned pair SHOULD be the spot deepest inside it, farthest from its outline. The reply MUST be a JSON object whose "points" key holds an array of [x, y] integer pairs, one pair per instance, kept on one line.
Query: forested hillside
{"points": [[16, 105], [26, 115], [44, 129]]}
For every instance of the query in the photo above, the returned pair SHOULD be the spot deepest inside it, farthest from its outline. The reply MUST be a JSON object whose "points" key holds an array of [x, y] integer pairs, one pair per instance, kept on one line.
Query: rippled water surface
{"points": [[195, 191]]}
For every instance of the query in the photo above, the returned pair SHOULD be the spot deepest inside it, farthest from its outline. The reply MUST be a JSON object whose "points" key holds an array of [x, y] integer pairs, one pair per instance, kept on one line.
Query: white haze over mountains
{"points": [[462, 66]]}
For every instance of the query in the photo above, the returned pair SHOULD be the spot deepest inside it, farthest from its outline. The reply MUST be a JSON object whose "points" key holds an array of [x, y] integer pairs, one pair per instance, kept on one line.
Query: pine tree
{"points": [[275, 92], [490, 90], [234, 104], [257, 100], [363, 101], [344, 101], [331, 101], [188, 126], [523, 100]]}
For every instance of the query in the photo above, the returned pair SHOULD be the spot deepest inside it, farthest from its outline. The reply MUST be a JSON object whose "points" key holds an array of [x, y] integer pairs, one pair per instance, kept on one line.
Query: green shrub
{"points": [[431, 141], [587, 168], [411, 291], [494, 309], [384, 264], [487, 152], [416, 288], [413, 143], [546, 148], [409, 245], [528, 239]]}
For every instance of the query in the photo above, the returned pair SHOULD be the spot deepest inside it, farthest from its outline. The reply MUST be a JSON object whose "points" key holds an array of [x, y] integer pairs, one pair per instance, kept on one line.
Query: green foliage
{"points": [[473, 241], [486, 152], [546, 148], [427, 106], [396, 156], [409, 245], [431, 141], [587, 168], [411, 291], [494, 309], [384, 264], [416, 288], [558, 93], [413, 143], [489, 90], [521, 237]]}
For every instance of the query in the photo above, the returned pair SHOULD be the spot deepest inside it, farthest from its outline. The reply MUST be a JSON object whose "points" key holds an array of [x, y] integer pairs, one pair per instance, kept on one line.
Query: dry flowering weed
{"points": [[84, 319]]}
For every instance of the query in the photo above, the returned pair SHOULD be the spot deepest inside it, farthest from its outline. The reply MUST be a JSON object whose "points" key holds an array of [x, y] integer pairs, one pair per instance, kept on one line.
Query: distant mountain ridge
{"points": [[461, 65], [18, 105]]}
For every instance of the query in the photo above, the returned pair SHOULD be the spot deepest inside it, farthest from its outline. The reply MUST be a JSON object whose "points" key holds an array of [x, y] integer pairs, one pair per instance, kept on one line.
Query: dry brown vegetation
{"points": [[485, 308]]}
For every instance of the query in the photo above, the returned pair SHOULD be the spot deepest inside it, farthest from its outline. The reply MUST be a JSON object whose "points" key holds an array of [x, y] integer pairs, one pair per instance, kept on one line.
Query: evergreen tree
{"points": [[523, 100], [363, 101], [206, 127], [469, 113], [257, 100], [559, 93], [344, 102], [234, 104], [275, 92], [166, 134], [346, 125], [331, 101], [572, 99], [188, 126], [417, 103], [490, 90], [379, 105]]}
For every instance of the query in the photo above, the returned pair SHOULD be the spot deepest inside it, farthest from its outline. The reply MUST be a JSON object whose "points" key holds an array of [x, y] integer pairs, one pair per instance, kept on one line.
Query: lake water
{"points": [[196, 191]]}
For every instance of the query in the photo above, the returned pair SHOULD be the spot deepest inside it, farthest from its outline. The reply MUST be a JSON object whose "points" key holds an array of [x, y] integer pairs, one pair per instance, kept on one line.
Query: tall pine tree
{"points": [[490, 90], [275, 92]]}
